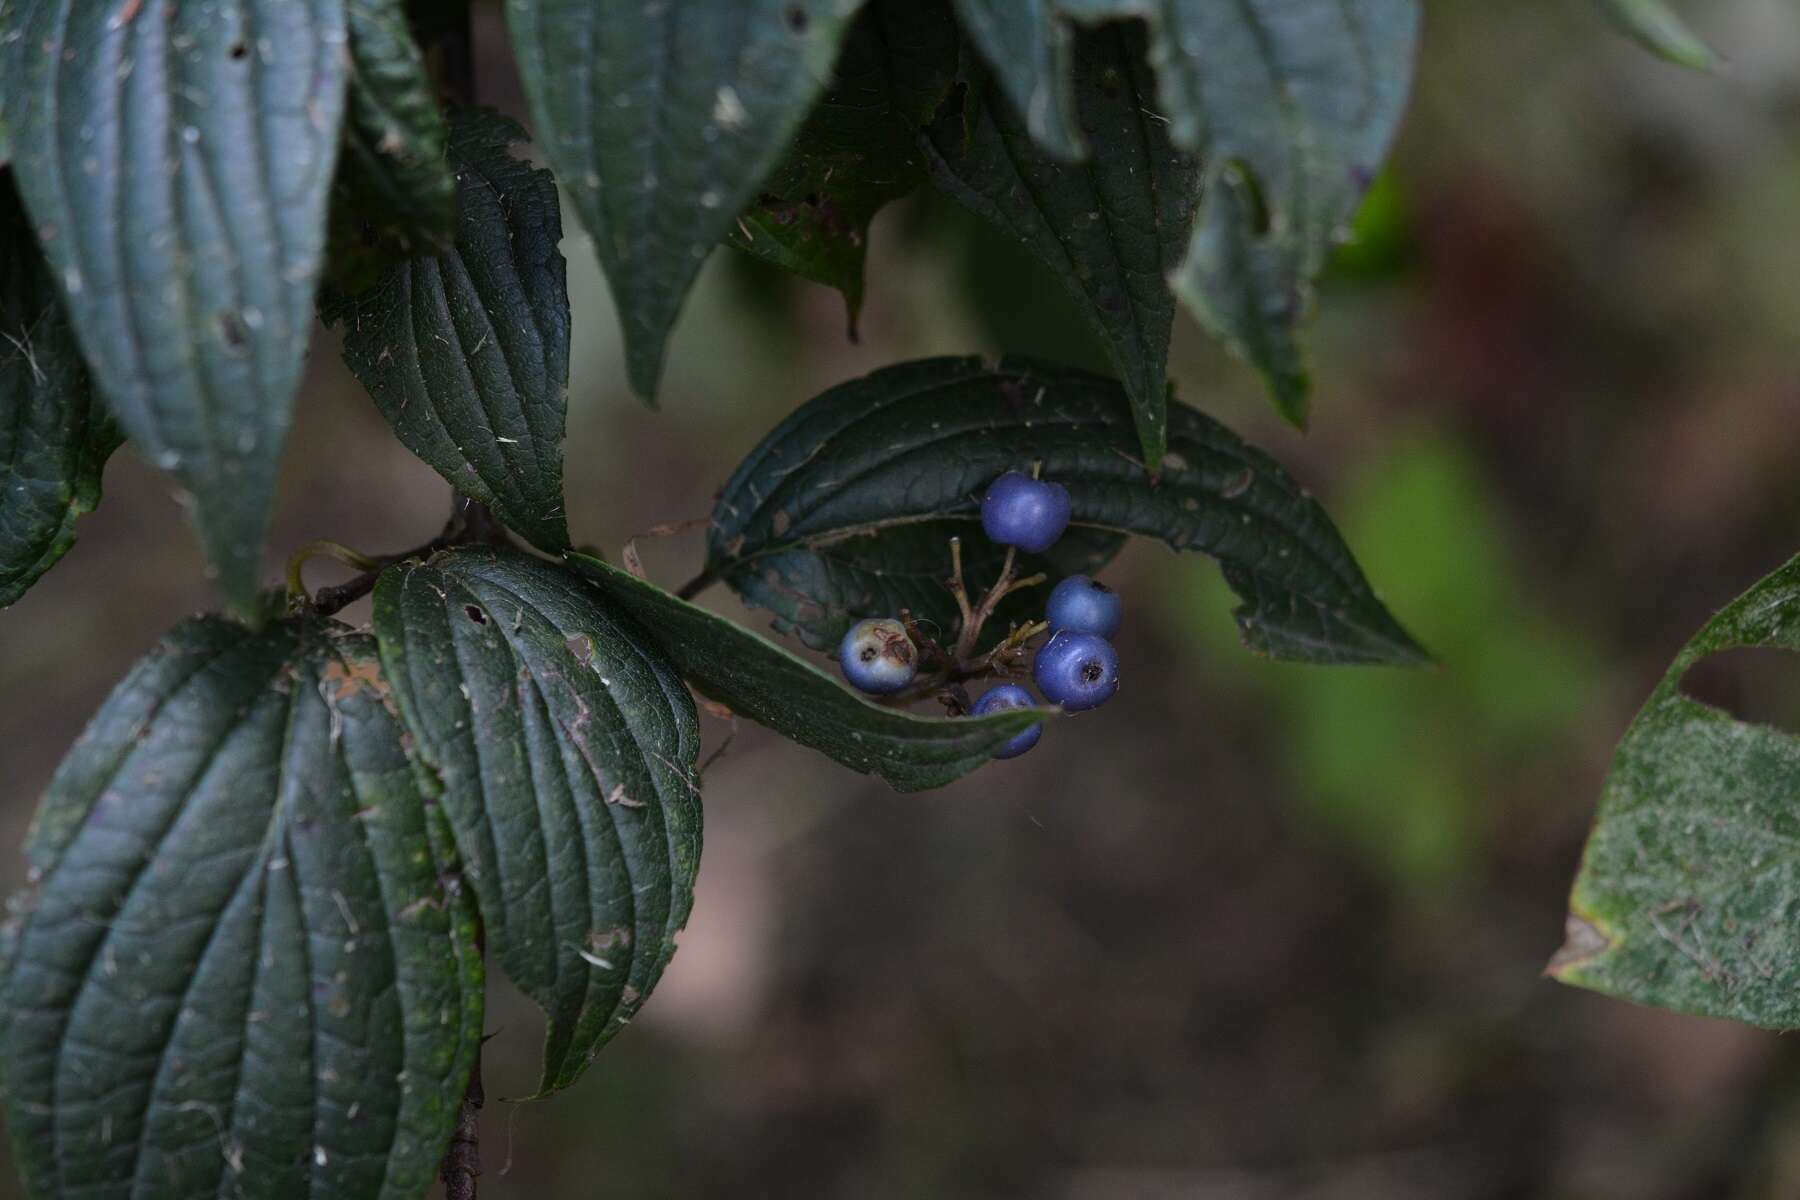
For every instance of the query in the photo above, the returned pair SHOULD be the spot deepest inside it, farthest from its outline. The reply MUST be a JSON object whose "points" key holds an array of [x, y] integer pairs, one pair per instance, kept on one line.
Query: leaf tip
{"points": [[1407, 652], [1583, 941], [1653, 26], [643, 370], [1292, 394]]}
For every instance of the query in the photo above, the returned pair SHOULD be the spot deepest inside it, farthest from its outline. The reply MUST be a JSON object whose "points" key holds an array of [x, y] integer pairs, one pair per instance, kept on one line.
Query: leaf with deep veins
{"points": [[760, 680], [661, 119], [176, 159], [243, 966], [913, 447], [565, 745], [1687, 888], [55, 435], [467, 352]]}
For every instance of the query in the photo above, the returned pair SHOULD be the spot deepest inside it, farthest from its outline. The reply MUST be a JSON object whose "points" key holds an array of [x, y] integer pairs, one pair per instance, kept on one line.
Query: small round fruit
{"points": [[878, 657], [1077, 670], [1025, 512], [1084, 605], [1001, 698]]}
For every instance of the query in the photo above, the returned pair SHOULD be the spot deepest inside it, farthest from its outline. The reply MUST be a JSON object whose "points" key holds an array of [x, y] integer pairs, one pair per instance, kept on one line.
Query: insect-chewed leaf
{"points": [[1291, 103], [661, 120], [760, 680], [1030, 46], [1112, 226], [565, 744], [243, 966], [858, 149], [467, 352], [177, 161], [1686, 893], [394, 168], [819, 500], [55, 435]]}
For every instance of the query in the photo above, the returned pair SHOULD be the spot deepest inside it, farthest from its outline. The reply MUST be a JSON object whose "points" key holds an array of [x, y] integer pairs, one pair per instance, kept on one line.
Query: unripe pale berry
{"points": [[1077, 670], [878, 657], [1084, 605], [1001, 698], [1025, 512]]}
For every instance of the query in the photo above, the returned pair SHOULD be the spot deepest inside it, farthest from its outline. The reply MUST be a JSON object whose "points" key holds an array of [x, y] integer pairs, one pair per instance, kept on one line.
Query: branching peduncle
{"points": [[954, 666]]}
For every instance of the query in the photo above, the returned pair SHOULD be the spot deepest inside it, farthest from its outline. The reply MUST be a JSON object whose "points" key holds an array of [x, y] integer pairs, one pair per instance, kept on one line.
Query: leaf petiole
{"points": [[322, 548]]}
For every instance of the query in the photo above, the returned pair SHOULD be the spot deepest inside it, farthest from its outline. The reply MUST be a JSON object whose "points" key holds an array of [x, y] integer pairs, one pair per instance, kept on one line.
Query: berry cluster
{"points": [[1077, 668]]}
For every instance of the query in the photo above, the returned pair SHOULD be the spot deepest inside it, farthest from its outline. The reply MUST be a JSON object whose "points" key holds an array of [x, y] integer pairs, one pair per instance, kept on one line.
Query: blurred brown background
{"points": [[1251, 931]]}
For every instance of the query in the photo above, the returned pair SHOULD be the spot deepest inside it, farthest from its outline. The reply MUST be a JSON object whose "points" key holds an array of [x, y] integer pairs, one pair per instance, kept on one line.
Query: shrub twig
{"points": [[461, 1168]]}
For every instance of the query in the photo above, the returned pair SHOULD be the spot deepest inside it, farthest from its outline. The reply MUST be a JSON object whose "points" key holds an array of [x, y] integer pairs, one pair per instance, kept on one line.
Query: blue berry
{"points": [[878, 657], [1077, 670], [1084, 605], [1001, 698], [1025, 512]]}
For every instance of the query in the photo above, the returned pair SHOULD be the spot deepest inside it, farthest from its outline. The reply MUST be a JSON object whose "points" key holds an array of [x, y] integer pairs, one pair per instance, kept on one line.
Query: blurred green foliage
{"points": [[1380, 245], [1394, 765]]}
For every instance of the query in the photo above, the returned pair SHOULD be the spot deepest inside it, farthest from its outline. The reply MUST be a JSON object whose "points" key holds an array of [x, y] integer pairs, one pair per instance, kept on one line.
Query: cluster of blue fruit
{"points": [[1078, 668]]}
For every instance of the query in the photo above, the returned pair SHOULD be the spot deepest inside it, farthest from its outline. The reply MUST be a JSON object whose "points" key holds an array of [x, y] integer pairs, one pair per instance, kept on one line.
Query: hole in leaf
{"points": [[1251, 192], [475, 614], [1758, 684], [239, 50], [232, 330]]}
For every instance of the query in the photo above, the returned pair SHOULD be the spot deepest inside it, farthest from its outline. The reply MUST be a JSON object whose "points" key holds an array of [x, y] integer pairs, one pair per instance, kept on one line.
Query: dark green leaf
{"points": [[394, 166], [1112, 227], [565, 745], [243, 967], [920, 442], [1686, 894], [177, 161], [1660, 31], [661, 119], [467, 353], [1291, 104], [55, 436], [858, 148], [761, 681]]}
